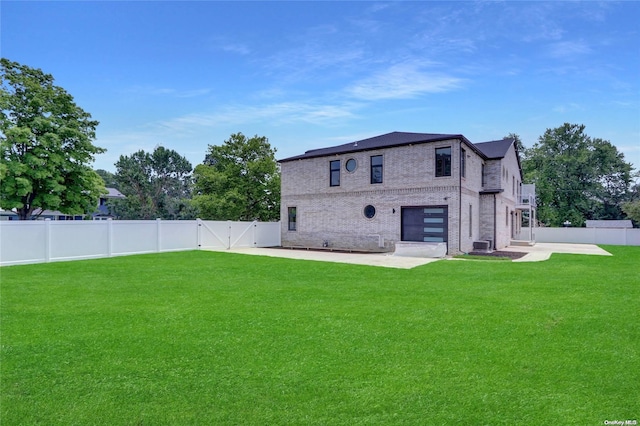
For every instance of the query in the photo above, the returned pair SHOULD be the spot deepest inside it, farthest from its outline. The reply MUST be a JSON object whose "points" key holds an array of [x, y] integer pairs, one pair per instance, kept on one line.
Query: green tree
{"points": [[108, 178], [45, 145], [239, 180], [577, 177], [632, 210], [157, 185]]}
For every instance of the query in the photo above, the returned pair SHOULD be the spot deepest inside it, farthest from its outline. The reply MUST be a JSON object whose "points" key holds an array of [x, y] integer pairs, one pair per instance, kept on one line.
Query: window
{"points": [[334, 172], [484, 179], [443, 162], [292, 218], [369, 211], [513, 186], [506, 216], [376, 169], [351, 165], [463, 160], [470, 221]]}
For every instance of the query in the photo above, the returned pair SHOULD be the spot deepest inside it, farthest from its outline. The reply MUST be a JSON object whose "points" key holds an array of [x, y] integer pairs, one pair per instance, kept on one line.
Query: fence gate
{"points": [[226, 235]]}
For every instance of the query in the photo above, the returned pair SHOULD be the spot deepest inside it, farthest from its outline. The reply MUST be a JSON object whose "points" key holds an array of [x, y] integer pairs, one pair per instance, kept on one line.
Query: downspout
{"points": [[460, 197], [495, 220]]}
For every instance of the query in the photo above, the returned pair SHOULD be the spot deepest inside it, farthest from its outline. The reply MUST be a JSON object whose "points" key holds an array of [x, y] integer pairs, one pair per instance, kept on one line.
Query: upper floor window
{"points": [[376, 169], [334, 171], [443, 161], [484, 177], [463, 162]]}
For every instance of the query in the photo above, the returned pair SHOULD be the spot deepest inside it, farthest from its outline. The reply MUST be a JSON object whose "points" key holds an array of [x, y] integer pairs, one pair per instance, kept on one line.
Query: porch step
{"points": [[525, 243]]}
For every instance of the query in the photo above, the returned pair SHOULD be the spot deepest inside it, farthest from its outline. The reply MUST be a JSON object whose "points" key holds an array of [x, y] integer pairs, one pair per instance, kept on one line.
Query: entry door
{"points": [[427, 223]]}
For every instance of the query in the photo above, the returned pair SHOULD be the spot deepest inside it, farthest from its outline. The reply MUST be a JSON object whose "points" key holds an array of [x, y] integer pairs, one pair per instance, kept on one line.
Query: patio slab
{"points": [[386, 260], [536, 253]]}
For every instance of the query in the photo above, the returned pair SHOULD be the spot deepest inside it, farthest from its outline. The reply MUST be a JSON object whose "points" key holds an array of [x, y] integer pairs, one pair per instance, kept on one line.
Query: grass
{"points": [[218, 338]]}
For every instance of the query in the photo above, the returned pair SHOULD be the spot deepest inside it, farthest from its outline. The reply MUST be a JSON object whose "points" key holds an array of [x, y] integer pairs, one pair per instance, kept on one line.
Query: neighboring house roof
{"points": [[113, 193], [383, 141], [609, 224]]}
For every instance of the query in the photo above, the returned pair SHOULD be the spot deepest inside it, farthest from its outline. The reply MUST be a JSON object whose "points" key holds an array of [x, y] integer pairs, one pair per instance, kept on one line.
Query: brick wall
{"points": [[335, 215]]}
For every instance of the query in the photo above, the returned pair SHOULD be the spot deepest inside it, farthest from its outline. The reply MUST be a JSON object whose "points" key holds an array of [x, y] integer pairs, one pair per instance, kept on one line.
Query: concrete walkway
{"points": [[543, 251], [536, 253]]}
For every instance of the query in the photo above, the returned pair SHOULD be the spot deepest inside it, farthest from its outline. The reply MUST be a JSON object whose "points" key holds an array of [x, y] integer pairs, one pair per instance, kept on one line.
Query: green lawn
{"points": [[217, 338]]}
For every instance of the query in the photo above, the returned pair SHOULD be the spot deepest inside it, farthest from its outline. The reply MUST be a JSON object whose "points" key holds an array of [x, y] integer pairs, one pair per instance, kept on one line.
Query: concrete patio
{"points": [[536, 253]]}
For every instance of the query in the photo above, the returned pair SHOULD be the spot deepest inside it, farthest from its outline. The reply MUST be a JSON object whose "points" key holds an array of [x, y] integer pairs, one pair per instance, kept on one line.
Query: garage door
{"points": [[426, 223]]}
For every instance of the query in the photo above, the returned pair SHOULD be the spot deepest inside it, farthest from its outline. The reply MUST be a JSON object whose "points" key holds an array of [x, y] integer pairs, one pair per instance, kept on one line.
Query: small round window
{"points": [[351, 165], [369, 211]]}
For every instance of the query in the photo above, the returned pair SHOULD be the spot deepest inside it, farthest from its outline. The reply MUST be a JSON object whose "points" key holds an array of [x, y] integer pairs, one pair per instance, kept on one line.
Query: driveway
{"points": [[536, 253]]}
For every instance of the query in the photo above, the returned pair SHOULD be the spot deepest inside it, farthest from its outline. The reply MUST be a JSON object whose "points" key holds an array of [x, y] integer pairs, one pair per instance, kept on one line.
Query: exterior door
{"points": [[426, 223]]}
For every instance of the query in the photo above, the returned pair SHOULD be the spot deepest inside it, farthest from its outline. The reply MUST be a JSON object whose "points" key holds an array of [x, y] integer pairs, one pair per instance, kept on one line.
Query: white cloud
{"points": [[569, 49], [163, 91], [402, 81], [236, 48]]}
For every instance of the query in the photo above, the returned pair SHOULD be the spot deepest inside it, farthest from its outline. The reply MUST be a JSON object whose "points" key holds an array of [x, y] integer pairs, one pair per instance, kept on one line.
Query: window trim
{"points": [[369, 207], [334, 172], [463, 162], [442, 170], [346, 165], [292, 225], [376, 167]]}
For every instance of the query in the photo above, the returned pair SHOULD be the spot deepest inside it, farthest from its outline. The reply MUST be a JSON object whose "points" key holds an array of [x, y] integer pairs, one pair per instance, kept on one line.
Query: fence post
{"points": [[47, 240], [228, 235], [199, 237], [109, 237], [255, 225], [158, 242]]}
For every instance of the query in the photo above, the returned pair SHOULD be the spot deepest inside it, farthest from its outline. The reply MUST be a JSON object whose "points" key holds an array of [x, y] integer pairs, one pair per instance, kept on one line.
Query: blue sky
{"points": [[313, 74]]}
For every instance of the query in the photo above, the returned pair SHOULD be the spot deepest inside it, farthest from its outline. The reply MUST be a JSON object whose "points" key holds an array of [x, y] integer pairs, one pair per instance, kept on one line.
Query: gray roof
{"points": [[487, 150], [113, 193], [495, 149], [609, 224], [383, 141]]}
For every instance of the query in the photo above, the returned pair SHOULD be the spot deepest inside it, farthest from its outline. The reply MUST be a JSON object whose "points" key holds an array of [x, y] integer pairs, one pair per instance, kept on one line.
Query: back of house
{"points": [[421, 187]]}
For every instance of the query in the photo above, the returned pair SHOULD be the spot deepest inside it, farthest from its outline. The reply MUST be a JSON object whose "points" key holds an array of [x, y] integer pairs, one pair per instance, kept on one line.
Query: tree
{"points": [[239, 180], [632, 210], [577, 177], [45, 145], [157, 185], [108, 178]]}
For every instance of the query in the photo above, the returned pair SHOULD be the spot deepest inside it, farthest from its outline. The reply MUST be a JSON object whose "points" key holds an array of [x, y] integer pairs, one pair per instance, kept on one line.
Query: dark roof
{"points": [[495, 149], [383, 141], [609, 224]]}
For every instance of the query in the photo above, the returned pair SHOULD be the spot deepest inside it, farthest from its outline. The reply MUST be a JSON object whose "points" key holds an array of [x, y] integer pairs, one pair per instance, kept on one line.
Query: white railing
{"points": [[51, 241], [613, 236], [527, 200]]}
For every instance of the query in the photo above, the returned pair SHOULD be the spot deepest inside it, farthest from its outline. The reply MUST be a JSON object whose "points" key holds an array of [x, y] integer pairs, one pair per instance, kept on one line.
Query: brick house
{"points": [[372, 193]]}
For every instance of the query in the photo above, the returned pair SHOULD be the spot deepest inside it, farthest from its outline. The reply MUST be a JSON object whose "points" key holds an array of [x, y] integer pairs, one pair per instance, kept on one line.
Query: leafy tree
{"points": [[45, 145], [577, 177], [519, 145], [108, 178], [632, 210], [239, 180], [157, 185]]}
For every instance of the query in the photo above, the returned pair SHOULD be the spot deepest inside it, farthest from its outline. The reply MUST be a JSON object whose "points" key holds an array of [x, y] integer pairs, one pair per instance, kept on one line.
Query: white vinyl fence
{"points": [[51, 241], [613, 236]]}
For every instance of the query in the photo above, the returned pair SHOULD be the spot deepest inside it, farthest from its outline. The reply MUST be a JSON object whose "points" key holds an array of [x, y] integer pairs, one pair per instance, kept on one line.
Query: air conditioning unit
{"points": [[481, 246]]}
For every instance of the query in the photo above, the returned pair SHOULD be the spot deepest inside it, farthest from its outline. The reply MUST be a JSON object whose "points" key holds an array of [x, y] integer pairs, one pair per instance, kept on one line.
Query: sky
{"points": [[186, 75]]}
